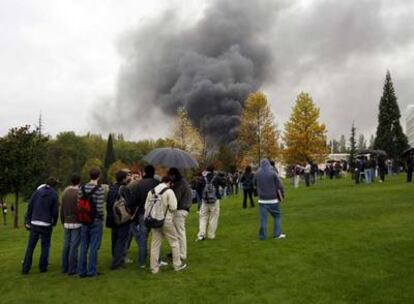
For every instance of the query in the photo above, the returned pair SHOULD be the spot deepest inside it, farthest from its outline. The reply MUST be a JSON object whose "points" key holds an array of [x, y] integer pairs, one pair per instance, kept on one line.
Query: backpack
{"points": [[155, 216], [209, 191], [121, 213], [86, 209]]}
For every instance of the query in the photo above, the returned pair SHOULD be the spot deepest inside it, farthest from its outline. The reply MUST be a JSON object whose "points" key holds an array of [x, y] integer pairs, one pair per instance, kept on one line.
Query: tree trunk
{"points": [[16, 210]]}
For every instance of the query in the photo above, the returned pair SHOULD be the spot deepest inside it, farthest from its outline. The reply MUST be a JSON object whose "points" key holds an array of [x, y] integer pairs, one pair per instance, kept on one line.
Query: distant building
{"points": [[409, 120]]}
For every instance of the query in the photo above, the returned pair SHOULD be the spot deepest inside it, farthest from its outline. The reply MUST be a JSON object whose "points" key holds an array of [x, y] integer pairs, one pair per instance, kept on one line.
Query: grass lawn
{"points": [[345, 243]]}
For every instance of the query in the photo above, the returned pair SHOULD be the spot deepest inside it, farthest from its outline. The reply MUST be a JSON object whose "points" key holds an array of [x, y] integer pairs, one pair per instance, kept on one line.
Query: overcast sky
{"points": [[62, 58]]}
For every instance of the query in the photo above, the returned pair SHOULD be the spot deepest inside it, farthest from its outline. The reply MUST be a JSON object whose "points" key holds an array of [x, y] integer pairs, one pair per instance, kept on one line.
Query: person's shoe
{"points": [[282, 236], [163, 263], [128, 261], [142, 266], [181, 267], [200, 238]]}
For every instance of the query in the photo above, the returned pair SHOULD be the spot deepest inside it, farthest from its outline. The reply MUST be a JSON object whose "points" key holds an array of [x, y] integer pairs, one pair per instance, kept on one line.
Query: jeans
{"points": [[274, 211], [45, 235], [367, 173], [70, 250], [249, 193], [307, 179], [91, 236], [120, 238], [140, 232]]}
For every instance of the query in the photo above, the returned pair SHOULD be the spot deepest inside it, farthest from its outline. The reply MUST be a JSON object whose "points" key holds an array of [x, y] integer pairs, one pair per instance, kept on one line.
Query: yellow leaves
{"points": [[304, 136], [185, 136], [258, 134]]}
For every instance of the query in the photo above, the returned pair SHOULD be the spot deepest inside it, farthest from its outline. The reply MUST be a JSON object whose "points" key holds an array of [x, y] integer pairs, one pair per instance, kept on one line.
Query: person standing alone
{"points": [[41, 216], [271, 192], [247, 184]]}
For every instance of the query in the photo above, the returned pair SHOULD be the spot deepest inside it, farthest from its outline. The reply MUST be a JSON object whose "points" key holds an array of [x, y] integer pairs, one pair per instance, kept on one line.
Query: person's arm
{"points": [[171, 200], [28, 217], [55, 209]]}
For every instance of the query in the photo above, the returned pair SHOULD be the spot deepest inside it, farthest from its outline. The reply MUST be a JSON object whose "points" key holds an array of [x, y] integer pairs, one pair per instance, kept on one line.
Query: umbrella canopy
{"points": [[372, 151], [171, 157], [408, 151]]}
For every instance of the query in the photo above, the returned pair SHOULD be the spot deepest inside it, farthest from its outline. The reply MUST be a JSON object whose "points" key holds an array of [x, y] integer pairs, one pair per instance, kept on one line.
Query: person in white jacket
{"points": [[168, 230]]}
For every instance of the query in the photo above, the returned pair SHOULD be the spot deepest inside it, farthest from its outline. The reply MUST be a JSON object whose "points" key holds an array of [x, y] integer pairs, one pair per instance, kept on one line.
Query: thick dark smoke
{"points": [[208, 67]]}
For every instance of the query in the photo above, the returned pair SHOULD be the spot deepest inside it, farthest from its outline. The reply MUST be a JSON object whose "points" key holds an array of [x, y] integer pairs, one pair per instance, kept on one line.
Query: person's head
{"points": [[210, 168], [75, 179], [166, 180], [149, 171], [52, 181], [121, 176], [248, 169], [174, 174], [94, 173], [272, 163]]}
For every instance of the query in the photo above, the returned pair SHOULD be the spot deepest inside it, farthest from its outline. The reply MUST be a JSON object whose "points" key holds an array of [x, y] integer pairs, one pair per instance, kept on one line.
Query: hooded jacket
{"points": [[267, 181], [182, 191], [43, 206]]}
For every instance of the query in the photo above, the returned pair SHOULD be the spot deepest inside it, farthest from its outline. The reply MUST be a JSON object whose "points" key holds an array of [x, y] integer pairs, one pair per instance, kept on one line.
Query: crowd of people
{"points": [[136, 207]]}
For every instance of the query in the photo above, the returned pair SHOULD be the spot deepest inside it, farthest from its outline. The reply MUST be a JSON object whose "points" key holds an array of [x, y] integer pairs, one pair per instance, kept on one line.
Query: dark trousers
{"points": [[307, 179], [409, 175], [120, 237], [236, 188], [247, 192], [45, 235]]}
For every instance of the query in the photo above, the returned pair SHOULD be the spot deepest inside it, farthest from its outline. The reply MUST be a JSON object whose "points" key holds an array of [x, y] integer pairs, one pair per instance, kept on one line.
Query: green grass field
{"points": [[345, 243]]}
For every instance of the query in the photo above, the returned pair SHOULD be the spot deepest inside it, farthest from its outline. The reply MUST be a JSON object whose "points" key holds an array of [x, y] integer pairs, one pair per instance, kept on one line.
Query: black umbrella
{"points": [[408, 151], [171, 157], [372, 151]]}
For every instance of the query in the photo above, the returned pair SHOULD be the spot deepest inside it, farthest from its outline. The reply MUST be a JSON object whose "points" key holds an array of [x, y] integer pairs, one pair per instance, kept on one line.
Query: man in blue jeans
{"points": [[41, 216], [270, 191], [91, 234], [71, 227], [139, 191]]}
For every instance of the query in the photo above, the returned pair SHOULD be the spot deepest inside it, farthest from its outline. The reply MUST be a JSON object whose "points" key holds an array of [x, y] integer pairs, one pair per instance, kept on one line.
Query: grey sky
{"points": [[63, 58]]}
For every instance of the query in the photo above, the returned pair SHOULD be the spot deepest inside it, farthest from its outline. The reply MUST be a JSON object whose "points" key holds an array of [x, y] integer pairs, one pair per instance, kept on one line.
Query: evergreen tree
{"points": [[389, 136], [305, 136], [109, 156], [352, 147], [371, 142]]}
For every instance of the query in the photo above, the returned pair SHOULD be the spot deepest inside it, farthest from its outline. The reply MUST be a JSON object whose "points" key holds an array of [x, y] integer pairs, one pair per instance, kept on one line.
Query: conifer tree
{"points": [[352, 147], [389, 136]]}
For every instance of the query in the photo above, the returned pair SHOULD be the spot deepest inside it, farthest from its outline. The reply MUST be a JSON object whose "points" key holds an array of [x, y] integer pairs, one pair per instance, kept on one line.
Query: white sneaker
{"points": [[200, 238], [128, 261], [282, 236], [181, 267], [163, 263]]}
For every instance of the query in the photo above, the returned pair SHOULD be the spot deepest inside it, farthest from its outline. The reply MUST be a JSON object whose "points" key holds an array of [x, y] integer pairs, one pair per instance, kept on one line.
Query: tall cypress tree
{"points": [[390, 136], [109, 156], [352, 147]]}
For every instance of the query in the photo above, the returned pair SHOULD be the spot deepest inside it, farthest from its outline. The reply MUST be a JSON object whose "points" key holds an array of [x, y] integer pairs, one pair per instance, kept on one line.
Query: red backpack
{"points": [[86, 208]]}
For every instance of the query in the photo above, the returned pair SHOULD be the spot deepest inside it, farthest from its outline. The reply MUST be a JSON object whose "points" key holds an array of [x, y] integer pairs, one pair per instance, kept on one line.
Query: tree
{"points": [[22, 163], [113, 169], [352, 147], [90, 163], [362, 143], [109, 157], [342, 144], [389, 135], [371, 142], [227, 158], [304, 136], [258, 136], [185, 136], [334, 146]]}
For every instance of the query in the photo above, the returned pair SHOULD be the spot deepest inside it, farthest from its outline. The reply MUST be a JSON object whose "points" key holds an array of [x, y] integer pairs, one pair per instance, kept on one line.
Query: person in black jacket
{"points": [[119, 233], [410, 167], [247, 184], [41, 216], [182, 191], [139, 191]]}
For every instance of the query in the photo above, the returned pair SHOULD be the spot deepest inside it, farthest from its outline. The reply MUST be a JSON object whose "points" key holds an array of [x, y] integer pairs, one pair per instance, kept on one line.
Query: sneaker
{"points": [[142, 266], [128, 261], [200, 238], [163, 263], [181, 267], [282, 236]]}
